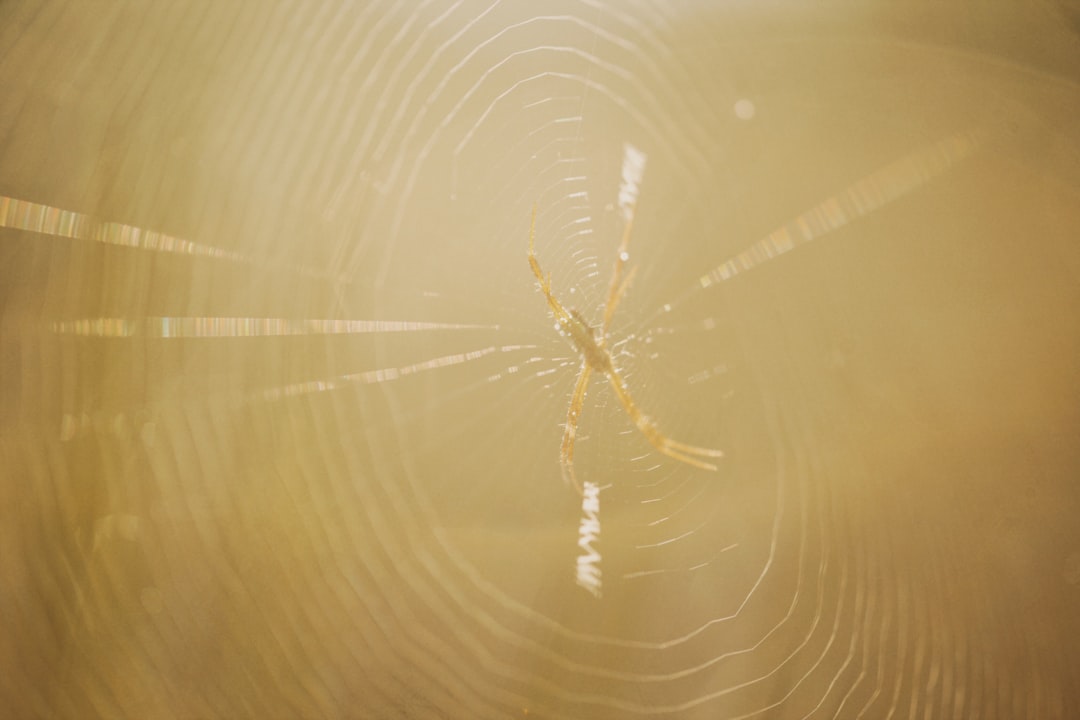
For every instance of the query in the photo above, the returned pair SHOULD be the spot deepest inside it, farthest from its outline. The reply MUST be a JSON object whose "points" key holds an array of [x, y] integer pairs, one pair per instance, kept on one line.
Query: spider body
{"points": [[591, 343], [588, 341]]}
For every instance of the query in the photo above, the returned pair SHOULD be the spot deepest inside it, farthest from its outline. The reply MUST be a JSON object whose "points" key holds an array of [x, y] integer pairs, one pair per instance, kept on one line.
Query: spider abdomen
{"points": [[587, 341]]}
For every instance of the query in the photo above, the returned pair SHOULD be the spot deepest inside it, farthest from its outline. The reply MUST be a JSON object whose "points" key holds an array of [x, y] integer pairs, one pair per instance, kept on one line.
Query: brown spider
{"points": [[591, 342]]}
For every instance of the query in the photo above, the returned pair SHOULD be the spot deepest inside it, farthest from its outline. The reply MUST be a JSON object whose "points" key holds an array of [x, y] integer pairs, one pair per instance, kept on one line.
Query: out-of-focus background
{"points": [[281, 402]]}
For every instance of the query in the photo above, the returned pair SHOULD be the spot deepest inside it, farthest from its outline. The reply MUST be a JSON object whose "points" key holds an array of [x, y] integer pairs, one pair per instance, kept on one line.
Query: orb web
{"points": [[287, 400]]}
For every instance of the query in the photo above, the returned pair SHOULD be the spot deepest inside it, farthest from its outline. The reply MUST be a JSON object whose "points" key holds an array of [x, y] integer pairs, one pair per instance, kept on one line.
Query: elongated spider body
{"points": [[591, 343], [588, 342]]}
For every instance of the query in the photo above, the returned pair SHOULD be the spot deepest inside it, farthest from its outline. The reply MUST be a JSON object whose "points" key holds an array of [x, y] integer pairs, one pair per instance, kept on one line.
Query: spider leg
{"points": [[672, 448], [623, 287], [561, 314], [618, 285], [545, 283], [577, 402]]}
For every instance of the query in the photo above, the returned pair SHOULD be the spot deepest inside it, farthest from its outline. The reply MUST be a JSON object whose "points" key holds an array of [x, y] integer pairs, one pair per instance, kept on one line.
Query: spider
{"points": [[591, 342]]}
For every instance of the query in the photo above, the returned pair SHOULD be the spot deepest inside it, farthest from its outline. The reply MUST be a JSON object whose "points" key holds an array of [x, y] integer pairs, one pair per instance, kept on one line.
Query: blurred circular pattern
{"points": [[281, 402]]}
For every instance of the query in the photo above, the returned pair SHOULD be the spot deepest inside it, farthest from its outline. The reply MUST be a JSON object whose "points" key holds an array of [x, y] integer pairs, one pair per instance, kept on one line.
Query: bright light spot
{"points": [[744, 109], [667, 307], [624, 256]]}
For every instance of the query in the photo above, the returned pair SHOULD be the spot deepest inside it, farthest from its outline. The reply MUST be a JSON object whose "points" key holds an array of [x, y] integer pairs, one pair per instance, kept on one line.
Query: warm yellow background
{"points": [[269, 526]]}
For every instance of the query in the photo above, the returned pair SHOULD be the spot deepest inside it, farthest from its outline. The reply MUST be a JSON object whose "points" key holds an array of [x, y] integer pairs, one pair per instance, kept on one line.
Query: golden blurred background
{"points": [[281, 401]]}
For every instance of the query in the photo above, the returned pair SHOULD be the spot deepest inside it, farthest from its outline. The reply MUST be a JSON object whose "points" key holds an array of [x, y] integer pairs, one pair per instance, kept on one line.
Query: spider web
{"points": [[282, 402]]}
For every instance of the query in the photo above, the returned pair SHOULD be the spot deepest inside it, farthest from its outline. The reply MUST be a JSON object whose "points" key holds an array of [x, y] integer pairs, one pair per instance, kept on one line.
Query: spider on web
{"points": [[591, 343]]}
